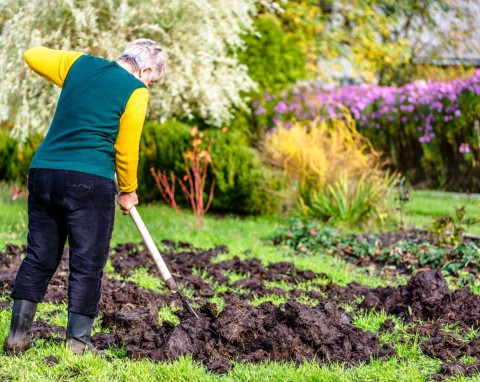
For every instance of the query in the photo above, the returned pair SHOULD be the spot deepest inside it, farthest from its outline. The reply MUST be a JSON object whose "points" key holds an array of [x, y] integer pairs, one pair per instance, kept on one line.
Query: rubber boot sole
{"points": [[78, 347], [16, 347]]}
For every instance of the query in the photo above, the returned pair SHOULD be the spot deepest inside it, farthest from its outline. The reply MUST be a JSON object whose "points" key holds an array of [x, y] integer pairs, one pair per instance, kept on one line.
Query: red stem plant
{"points": [[197, 161], [18, 192], [167, 190]]}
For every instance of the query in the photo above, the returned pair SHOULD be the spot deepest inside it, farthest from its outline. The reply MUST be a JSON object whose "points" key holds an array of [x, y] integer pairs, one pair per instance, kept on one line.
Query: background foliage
{"points": [[201, 37], [243, 184], [427, 130], [274, 59], [378, 38]]}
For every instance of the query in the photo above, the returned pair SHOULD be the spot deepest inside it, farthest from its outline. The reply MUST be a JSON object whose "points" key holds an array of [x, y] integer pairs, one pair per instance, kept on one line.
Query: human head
{"points": [[146, 59]]}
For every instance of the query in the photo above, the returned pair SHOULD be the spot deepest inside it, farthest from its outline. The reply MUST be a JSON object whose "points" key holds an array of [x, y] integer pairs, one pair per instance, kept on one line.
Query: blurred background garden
{"points": [[334, 111]]}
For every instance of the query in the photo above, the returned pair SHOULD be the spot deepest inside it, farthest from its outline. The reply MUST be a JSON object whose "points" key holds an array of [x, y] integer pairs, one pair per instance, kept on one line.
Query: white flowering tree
{"points": [[200, 38]]}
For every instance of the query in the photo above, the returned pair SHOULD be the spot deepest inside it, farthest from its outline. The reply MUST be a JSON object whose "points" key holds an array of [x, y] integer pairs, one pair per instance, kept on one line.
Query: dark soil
{"points": [[388, 238], [291, 332]]}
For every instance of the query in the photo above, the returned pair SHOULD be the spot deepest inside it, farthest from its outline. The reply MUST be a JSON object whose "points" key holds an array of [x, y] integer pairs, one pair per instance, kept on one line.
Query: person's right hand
{"points": [[127, 200]]}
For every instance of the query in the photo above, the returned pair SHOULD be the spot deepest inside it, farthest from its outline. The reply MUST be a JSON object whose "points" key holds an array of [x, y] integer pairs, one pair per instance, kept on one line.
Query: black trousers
{"points": [[63, 205]]}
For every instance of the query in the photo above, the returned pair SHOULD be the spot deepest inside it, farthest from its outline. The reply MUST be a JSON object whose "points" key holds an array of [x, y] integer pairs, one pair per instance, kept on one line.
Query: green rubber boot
{"points": [[20, 336], [79, 334]]}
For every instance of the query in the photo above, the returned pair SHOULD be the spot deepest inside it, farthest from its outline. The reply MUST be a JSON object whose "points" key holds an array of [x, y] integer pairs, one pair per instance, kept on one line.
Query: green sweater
{"points": [[86, 122]]}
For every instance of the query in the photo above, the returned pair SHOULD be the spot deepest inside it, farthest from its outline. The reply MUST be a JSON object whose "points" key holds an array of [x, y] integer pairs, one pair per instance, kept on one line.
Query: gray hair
{"points": [[144, 53]]}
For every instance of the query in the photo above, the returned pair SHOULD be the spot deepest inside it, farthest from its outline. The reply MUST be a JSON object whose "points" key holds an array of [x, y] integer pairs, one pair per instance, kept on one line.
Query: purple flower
{"points": [[259, 111], [281, 107], [295, 106], [268, 97], [424, 103], [426, 138], [464, 148]]}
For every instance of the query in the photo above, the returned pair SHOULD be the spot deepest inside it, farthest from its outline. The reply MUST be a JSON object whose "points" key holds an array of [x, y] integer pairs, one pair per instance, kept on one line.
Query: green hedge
{"points": [[161, 147], [14, 158]]}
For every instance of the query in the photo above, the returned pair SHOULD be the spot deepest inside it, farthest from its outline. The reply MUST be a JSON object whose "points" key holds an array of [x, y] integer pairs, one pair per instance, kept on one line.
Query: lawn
{"points": [[427, 204], [245, 238]]}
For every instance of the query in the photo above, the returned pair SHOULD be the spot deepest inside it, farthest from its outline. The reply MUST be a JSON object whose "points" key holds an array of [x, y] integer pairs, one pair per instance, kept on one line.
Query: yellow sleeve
{"points": [[50, 63], [127, 144]]}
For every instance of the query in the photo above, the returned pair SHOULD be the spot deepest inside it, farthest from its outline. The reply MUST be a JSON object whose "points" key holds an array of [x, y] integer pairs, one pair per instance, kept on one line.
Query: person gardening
{"points": [[95, 133]]}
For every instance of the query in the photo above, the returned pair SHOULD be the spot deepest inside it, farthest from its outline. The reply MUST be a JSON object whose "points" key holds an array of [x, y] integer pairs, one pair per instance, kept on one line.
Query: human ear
{"points": [[146, 70]]}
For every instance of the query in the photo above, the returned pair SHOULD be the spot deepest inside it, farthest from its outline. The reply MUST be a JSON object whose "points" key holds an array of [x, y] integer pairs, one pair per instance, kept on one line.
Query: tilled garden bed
{"points": [[320, 331]]}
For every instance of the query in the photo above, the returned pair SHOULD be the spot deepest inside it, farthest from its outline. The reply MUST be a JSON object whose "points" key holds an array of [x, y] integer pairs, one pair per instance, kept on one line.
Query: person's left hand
{"points": [[127, 200]]}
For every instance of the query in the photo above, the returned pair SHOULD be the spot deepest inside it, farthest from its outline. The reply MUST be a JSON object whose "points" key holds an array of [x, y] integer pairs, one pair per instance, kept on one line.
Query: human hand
{"points": [[127, 200]]}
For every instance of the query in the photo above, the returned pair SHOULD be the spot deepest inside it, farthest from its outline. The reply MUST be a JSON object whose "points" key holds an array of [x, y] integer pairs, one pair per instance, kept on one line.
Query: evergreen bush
{"points": [[243, 184], [275, 62]]}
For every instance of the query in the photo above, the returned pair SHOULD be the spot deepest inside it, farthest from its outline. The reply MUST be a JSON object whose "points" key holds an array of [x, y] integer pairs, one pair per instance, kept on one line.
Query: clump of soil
{"points": [[10, 259], [426, 297], [292, 332], [455, 369], [427, 301]]}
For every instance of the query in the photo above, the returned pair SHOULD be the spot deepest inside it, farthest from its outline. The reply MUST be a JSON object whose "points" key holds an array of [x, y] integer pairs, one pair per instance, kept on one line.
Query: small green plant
{"points": [[352, 200], [449, 229], [304, 235], [460, 262], [402, 196]]}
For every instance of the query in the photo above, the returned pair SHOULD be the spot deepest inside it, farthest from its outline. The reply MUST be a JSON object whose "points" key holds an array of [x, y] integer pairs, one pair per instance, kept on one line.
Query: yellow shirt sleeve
{"points": [[51, 63], [127, 144]]}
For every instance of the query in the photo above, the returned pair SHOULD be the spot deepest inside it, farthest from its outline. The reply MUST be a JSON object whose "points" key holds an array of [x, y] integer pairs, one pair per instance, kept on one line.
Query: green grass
{"points": [[425, 205], [245, 237], [13, 217], [91, 368], [240, 234], [144, 280]]}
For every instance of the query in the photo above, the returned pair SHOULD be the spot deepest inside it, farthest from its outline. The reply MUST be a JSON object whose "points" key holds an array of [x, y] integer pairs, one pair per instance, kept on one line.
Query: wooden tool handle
{"points": [[152, 248]]}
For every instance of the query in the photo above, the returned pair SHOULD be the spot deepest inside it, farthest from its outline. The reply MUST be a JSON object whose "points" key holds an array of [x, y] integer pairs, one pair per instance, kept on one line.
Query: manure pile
{"points": [[322, 332]]}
